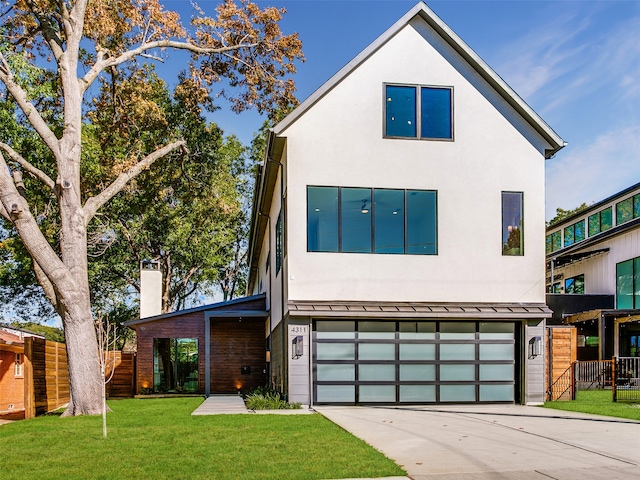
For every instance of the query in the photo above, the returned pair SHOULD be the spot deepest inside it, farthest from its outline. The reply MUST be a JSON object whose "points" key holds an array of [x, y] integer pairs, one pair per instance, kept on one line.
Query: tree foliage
{"points": [[561, 214], [53, 56]]}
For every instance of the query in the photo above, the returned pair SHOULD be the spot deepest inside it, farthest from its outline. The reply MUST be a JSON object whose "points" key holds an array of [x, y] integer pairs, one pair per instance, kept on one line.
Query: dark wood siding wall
{"points": [[182, 326], [237, 343]]}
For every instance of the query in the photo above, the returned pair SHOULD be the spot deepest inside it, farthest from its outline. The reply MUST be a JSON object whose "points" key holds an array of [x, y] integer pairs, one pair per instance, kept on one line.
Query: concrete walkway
{"points": [[497, 442], [230, 404]]}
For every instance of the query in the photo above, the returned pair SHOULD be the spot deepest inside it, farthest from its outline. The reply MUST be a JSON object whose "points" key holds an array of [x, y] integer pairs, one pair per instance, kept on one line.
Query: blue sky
{"points": [[577, 63]]}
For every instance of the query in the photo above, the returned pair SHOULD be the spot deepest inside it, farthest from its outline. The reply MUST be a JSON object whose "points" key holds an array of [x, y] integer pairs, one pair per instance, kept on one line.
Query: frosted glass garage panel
{"points": [[335, 329], [377, 393], [335, 373], [496, 393], [336, 351], [496, 351], [420, 373], [457, 351], [458, 373], [336, 393], [381, 373], [503, 372], [417, 351], [457, 330], [377, 330], [457, 393], [377, 351], [417, 393], [497, 331], [417, 330]]}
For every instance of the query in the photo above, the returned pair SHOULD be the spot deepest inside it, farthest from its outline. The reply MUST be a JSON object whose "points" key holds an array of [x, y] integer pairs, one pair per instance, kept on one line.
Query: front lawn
{"points": [[158, 438], [600, 403]]}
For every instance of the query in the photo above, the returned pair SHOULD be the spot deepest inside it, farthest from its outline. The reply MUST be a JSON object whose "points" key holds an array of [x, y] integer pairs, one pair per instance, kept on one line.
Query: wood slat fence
{"points": [[46, 376]]}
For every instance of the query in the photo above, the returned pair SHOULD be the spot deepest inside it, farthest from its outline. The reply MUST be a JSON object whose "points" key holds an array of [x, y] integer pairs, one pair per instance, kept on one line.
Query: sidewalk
{"points": [[232, 404]]}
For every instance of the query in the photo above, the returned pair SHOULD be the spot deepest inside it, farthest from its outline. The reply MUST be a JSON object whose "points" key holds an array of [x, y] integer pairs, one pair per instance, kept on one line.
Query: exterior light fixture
{"points": [[535, 347], [364, 208], [297, 347]]}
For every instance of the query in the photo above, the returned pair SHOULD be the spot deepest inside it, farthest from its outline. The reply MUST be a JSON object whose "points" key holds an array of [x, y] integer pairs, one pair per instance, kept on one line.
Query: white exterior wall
{"points": [[600, 271], [339, 142]]}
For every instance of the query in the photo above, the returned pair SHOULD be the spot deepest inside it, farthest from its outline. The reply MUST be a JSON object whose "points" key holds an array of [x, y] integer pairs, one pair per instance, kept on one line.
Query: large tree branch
{"points": [[103, 62], [30, 111], [94, 203], [36, 244], [47, 286], [36, 172], [48, 31]]}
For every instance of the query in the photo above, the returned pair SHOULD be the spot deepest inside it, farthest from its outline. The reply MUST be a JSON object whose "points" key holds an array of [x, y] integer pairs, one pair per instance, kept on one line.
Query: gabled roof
{"points": [[253, 306], [267, 174], [472, 58], [10, 339]]}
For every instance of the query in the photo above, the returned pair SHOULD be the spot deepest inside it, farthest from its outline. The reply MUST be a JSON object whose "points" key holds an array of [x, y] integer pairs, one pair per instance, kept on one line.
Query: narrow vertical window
{"points": [[636, 206], [355, 220], [624, 211], [279, 236], [389, 221], [606, 219], [421, 222], [18, 366], [322, 219], [512, 224], [435, 113], [594, 224], [400, 105], [624, 285]]}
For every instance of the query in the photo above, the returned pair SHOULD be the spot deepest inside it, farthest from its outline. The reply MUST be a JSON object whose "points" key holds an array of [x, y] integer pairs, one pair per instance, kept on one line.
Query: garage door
{"points": [[413, 361]]}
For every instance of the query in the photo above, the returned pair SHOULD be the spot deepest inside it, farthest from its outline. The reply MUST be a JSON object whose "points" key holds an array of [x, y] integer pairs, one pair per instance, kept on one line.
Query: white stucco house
{"points": [[398, 230]]}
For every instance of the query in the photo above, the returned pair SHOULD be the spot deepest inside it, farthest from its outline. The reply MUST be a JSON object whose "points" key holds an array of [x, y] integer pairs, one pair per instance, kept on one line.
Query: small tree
{"points": [[106, 334]]}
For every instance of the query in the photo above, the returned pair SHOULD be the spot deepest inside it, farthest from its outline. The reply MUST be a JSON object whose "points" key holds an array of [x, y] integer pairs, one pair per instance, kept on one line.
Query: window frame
{"points": [[505, 250], [418, 111], [371, 211], [577, 280]]}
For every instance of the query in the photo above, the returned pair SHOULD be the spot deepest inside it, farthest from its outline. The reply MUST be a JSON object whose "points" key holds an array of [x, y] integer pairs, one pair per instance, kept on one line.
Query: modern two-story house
{"points": [[398, 230], [593, 275]]}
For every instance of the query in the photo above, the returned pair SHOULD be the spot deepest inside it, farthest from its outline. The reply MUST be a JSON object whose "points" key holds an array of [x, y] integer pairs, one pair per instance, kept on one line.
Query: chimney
{"points": [[150, 288]]}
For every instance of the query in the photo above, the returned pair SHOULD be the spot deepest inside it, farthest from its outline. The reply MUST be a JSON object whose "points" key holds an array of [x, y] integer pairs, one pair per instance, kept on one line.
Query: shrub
{"points": [[264, 398]]}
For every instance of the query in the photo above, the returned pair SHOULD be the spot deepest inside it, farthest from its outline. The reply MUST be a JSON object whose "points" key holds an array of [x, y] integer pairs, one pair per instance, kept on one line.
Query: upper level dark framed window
{"points": [[512, 224], [371, 220], [414, 111], [279, 242]]}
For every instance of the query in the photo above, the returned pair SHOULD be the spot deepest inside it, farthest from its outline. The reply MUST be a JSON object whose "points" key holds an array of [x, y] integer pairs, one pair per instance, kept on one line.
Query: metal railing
{"points": [[626, 384], [593, 374], [564, 387]]}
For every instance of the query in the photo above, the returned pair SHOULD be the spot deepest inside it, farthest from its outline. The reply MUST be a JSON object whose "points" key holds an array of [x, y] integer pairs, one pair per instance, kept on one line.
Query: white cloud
{"points": [[592, 173]]}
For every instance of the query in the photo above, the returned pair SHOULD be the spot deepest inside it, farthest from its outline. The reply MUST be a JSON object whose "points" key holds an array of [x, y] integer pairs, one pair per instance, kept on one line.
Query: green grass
{"points": [[598, 402], [158, 438]]}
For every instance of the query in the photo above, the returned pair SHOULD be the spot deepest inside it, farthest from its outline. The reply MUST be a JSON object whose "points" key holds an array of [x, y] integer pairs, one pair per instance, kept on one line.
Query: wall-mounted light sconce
{"points": [[364, 208], [297, 347], [535, 347], [268, 356]]}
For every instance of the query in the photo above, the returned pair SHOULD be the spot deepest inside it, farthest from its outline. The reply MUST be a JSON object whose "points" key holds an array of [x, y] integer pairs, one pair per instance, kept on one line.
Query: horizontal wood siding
{"points": [[562, 345], [122, 383], [235, 344], [181, 326], [46, 376]]}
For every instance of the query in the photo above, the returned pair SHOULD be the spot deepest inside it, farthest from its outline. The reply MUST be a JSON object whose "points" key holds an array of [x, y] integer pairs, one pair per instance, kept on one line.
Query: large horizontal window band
{"points": [[372, 220], [420, 112]]}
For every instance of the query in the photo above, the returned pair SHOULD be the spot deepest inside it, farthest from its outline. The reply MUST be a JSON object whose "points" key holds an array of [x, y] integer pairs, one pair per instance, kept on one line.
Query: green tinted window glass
{"points": [[497, 330], [556, 241], [636, 282], [594, 224], [336, 393], [377, 393], [547, 248], [458, 393], [457, 373], [322, 219], [377, 330], [389, 221], [335, 351], [422, 222], [421, 373], [496, 393], [335, 373], [335, 329], [574, 285], [606, 219], [457, 330], [636, 206], [496, 351], [568, 236], [579, 231], [380, 373], [624, 284], [624, 211], [355, 220], [417, 330], [417, 393]]}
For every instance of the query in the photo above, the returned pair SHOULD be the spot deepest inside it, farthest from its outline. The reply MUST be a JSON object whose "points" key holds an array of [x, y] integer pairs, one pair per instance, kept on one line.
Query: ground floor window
{"points": [[414, 361], [175, 365]]}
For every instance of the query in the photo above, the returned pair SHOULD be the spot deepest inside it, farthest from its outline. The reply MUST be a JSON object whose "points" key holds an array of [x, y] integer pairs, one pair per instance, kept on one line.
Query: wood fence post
{"points": [[29, 392]]}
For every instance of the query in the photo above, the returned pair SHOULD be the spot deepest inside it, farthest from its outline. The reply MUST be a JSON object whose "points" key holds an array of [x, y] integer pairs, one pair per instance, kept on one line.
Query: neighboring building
{"points": [[593, 275], [398, 230], [12, 391]]}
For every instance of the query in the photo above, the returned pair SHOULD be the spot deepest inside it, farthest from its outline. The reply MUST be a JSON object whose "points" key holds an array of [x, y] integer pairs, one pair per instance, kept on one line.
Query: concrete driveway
{"points": [[497, 442]]}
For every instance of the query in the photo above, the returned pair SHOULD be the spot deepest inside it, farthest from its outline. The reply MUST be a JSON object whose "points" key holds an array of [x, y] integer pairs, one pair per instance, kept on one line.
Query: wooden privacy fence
{"points": [[46, 376]]}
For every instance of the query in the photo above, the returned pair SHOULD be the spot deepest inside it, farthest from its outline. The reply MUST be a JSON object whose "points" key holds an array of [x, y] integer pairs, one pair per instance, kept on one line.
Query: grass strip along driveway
{"points": [[598, 402], [158, 438]]}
